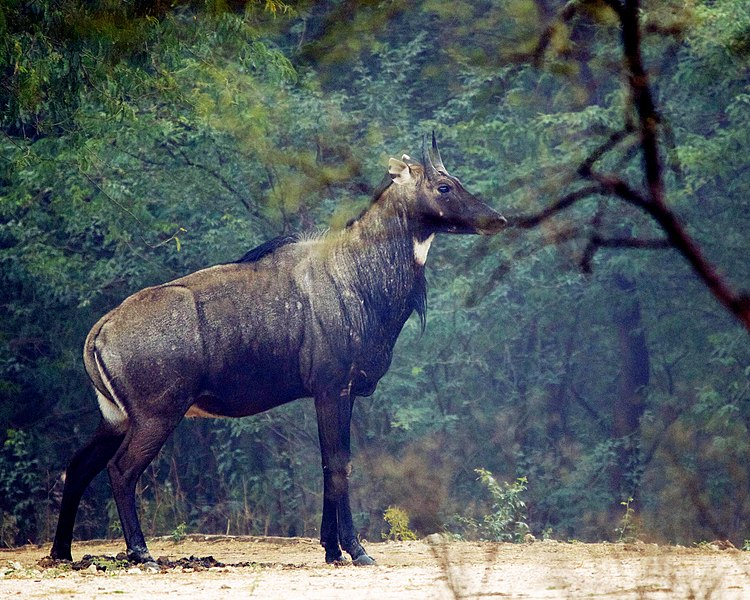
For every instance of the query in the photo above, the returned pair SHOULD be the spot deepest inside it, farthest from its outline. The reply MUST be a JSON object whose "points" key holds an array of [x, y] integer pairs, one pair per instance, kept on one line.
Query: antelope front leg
{"points": [[334, 413]]}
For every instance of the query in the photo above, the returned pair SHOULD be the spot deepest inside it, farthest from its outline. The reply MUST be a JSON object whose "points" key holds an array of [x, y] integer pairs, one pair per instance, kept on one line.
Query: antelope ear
{"points": [[399, 171]]}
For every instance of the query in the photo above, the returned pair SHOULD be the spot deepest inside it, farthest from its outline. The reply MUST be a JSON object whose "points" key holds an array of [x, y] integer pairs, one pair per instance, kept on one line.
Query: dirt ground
{"points": [[432, 568]]}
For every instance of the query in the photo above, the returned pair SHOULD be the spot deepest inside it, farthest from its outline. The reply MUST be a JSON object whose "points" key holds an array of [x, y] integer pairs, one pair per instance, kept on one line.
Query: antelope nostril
{"points": [[493, 224]]}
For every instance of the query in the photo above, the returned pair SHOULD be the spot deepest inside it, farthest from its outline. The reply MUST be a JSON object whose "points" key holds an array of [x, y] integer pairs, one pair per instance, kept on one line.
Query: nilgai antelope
{"points": [[293, 318]]}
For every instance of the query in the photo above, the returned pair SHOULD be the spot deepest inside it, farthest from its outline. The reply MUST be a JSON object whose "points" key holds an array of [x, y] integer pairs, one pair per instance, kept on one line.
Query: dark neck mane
{"points": [[381, 245], [375, 253], [267, 248]]}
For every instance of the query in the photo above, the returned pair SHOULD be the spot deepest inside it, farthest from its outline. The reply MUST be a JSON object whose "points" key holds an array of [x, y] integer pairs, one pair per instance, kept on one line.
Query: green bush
{"points": [[507, 520], [20, 488], [398, 525]]}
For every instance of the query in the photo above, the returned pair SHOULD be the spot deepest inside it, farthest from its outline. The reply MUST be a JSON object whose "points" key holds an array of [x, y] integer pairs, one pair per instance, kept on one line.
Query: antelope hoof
{"points": [[60, 555], [49, 562], [359, 556], [363, 560], [141, 556], [151, 566], [335, 557]]}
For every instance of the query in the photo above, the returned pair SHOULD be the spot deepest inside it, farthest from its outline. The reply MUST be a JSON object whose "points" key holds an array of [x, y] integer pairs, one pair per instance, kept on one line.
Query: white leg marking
{"points": [[112, 410], [421, 249]]}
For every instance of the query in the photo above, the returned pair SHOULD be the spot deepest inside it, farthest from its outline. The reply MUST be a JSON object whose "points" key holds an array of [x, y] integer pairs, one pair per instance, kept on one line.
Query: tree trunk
{"points": [[629, 403]]}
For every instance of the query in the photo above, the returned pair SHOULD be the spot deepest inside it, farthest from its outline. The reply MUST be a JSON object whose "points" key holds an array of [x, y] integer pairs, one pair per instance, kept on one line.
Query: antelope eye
{"points": [[444, 189]]}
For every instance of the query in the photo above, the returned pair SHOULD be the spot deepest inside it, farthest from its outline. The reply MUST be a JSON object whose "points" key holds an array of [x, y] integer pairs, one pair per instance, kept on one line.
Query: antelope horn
{"points": [[429, 168], [437, 161]]}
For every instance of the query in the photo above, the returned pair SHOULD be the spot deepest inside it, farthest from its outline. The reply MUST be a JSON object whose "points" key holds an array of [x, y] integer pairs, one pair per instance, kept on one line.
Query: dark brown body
{"points": [[315, 318]]}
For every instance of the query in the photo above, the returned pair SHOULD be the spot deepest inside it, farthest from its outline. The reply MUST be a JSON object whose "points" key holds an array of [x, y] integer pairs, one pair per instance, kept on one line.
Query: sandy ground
{"points": [[294, 568]]}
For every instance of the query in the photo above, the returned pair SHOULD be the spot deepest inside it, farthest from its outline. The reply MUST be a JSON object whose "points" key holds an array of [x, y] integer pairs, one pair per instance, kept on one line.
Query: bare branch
{"points": [[566, 14], [617, 186], [530, 221], [586, 167], [652, 199], [737, 303], [596, 242], [630, 242]]}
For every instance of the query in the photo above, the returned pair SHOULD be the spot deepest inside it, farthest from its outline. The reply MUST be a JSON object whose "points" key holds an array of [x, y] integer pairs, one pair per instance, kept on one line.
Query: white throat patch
{"points": [[421, 249]]}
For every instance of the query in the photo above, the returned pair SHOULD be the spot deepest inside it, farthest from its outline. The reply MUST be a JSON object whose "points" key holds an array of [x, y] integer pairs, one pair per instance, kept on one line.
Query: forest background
{"points": [[579, 356]]}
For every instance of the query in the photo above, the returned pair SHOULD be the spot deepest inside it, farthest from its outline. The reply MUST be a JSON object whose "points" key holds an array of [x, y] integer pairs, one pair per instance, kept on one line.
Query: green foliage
{"points": [[627, 530], [20, 488], [398, 525], [179, 532], [109, 563], [506, 521]]}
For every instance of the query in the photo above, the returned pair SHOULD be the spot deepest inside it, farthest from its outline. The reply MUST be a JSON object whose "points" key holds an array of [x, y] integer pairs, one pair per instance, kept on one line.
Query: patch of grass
{"points": [[107, 563]]}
